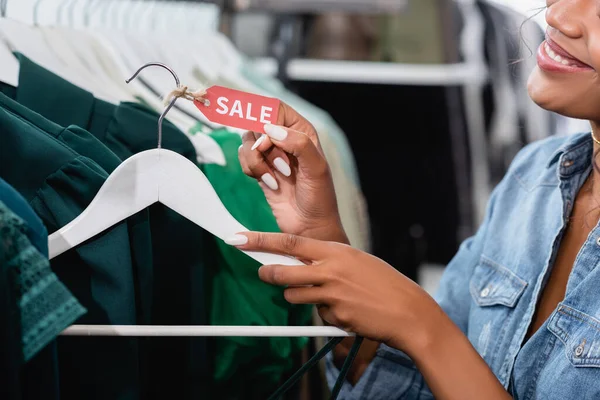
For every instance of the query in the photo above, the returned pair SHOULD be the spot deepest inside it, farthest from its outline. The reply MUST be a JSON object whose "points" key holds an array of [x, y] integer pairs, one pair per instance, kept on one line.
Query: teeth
{"points": [[556, 57]]}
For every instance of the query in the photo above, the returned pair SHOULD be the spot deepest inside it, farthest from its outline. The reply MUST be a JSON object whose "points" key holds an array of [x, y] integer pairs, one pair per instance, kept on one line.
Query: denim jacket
{"points": [[491, 287]]}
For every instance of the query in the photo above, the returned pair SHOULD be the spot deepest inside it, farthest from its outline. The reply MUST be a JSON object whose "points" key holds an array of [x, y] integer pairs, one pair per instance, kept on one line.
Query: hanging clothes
{"points": [[38, 160], [34, 305], [247, 367], [129, 128], [175, 366]]}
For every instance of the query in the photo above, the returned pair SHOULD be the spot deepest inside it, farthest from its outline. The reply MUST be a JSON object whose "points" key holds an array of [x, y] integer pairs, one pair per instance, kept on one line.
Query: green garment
{"points": [[34, 308], [104, 273], [46, 307], [176, 367], [256, 365]]}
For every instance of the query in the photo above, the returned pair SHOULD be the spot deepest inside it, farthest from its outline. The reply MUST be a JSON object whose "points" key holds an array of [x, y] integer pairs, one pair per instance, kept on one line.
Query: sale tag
{"points": [[238, 109]]}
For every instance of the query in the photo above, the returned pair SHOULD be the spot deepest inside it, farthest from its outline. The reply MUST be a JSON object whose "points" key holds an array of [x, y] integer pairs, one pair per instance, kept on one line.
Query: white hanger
{"points": [[59, 41], [164, 176], [157, 175], [9, 67], [31, 42]]}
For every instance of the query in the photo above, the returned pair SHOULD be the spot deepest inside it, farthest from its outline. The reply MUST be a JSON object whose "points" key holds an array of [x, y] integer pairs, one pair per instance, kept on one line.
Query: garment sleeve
{"points": [[392, 374]]}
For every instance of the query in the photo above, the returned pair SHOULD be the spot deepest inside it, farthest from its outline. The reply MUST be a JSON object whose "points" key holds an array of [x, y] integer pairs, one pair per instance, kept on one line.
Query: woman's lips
{"points": [[551, 57]]}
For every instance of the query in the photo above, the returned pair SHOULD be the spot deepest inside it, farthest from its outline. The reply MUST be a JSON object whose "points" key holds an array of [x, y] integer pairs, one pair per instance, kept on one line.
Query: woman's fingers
{"points": [[284, 275], [275, 156], [305, 295], [243, 162], [281, 243], [293, 120], [254, 164], [298, 144]]}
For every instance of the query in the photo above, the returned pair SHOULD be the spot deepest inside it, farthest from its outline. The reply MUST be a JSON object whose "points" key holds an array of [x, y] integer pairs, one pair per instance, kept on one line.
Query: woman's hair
{"points": [[536, 12]]}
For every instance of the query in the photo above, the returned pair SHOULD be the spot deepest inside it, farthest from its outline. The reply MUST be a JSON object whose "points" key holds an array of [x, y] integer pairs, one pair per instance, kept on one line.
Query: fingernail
{"points": [[236, 240], [282, 166], [258, 142], [270, 181], [276, 132], [240, 148]]}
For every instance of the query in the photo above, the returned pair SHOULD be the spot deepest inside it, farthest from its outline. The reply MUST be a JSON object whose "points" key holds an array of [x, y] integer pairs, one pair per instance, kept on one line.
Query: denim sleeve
{"points": [[392, 374]]}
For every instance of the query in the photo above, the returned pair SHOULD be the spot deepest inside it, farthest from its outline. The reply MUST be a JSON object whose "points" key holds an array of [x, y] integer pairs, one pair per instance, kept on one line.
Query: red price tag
{"points": [[239, 109]]}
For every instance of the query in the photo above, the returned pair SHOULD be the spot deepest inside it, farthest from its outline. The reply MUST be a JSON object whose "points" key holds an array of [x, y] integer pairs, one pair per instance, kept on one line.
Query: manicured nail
{"points": [[270, 181], [258, 142], [236, 240], [282, 166], [275, 132]]}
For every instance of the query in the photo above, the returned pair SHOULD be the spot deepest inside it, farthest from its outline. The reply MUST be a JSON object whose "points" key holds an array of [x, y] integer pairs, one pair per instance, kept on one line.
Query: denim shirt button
{"points": [[598, 241], [485, 292], [579, 351]]}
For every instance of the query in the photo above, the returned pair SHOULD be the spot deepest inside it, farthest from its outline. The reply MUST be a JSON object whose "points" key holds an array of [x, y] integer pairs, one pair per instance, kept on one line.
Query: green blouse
{"points": [[239, 297]]}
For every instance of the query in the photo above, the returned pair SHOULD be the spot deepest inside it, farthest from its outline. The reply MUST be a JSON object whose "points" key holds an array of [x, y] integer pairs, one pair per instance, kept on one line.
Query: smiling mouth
{"points": [[556, 57], [561, 56]]}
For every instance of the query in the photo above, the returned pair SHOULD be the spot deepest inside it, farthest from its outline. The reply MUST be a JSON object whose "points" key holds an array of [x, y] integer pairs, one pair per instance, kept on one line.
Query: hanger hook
{"points": [[59, 12], [86, 11], [36, 8], [171, 104]]}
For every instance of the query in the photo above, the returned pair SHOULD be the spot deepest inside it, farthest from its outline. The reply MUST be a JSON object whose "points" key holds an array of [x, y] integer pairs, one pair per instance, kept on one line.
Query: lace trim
{"points": [[45, 305]]}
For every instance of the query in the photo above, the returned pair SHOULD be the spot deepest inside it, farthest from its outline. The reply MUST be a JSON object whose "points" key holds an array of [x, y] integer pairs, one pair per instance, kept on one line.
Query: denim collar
{"points": [[574, 155]]}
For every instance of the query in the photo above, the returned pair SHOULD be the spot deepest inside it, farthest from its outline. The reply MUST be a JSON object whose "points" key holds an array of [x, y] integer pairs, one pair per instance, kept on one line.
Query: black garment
{"points": [[406, 167]]}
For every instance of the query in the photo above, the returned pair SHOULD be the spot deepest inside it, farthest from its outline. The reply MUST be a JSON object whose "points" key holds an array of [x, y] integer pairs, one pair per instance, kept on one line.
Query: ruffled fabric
{"points": [[109, 275]]}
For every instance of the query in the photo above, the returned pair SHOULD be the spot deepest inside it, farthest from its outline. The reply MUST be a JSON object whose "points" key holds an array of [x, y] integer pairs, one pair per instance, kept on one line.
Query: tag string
{"points": [[182, 92]]}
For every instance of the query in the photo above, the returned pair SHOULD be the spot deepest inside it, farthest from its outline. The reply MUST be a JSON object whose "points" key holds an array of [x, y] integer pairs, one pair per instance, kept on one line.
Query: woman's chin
{"points": [[562, 97]]}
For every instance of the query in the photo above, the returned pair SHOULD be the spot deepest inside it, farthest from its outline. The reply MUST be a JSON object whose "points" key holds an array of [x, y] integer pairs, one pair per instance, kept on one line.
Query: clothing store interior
{"points": [[114, 287]]}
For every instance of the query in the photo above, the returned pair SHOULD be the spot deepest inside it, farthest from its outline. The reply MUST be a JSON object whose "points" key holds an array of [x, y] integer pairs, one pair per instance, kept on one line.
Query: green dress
{"points": [[107, 274]]}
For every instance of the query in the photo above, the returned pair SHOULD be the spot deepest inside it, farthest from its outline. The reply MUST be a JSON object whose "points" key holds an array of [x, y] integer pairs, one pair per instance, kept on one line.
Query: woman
{"points": [[517, 314]]}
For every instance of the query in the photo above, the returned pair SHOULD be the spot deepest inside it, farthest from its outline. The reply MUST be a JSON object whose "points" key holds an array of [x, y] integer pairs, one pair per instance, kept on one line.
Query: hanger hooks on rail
{"points": [[171, 103]]}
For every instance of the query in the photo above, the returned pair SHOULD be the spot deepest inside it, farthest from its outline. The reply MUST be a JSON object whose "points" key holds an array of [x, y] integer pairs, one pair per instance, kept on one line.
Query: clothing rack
{"points": [[204, 331], [318, 6], [377, 72]]}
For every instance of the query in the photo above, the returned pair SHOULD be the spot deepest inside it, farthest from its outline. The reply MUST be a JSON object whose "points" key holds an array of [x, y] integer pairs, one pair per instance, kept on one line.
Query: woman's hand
{"points": [[290, 166], [354, 290], [364, 295]]}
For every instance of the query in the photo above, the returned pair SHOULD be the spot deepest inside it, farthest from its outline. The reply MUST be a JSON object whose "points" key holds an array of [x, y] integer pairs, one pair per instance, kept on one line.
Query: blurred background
{"points": [[420, 106], [431, 95], [428, 96]]}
